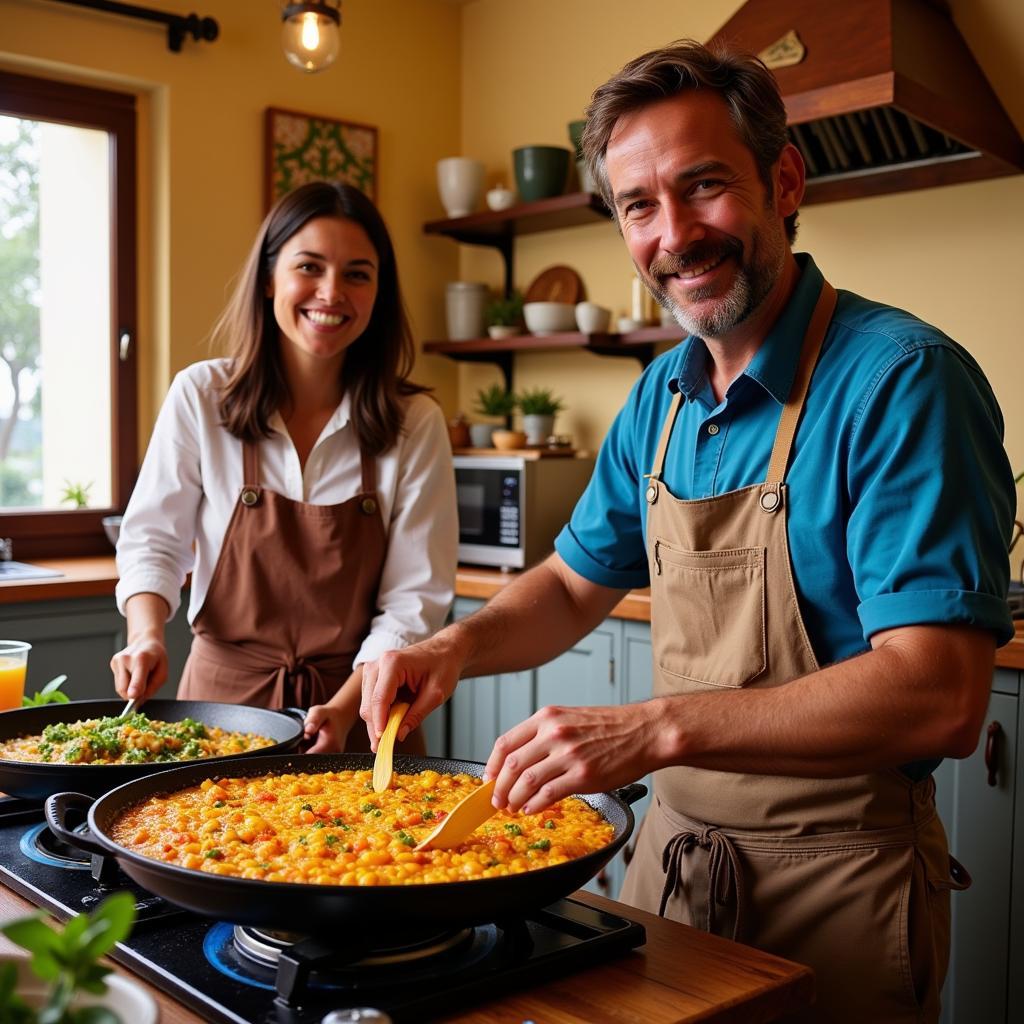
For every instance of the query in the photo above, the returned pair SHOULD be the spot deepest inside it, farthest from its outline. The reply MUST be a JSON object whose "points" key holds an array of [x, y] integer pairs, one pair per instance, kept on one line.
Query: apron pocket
{"points": [[708, 614]]}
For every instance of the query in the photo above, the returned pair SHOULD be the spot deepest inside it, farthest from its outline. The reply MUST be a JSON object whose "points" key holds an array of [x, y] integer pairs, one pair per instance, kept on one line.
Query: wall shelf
{"points": [[637, 345], [499, 229]]}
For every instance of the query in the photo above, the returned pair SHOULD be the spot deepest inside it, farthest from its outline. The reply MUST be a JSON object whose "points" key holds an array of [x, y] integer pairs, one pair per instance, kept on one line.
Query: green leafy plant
{"points": [[68, 961], [539, 402], [495, 401], [505, 312], [50, 694], [77, 494]]}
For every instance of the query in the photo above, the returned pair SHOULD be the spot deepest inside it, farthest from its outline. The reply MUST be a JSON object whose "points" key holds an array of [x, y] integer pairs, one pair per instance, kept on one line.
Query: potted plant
{"points": [[539, 408], [504, 316], [495, 402]]}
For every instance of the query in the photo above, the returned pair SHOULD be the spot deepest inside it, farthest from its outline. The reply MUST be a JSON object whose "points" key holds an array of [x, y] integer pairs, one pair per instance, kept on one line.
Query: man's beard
{"points": [[755, 278]]}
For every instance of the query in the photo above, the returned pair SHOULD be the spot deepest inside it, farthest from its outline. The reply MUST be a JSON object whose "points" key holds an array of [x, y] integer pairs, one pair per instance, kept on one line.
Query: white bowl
{"points": [[592, 318], [500, 198], [112, 528], [549, 317]]}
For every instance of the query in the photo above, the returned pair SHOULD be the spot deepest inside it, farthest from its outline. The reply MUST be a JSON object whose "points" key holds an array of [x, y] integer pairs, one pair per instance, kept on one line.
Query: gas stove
{"points": [[240, 975]]}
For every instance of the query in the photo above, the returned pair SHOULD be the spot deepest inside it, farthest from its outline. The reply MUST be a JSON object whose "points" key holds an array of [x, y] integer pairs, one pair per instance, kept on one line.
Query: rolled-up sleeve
{"points": [[418, 580], [154, 548], [931, 495]]}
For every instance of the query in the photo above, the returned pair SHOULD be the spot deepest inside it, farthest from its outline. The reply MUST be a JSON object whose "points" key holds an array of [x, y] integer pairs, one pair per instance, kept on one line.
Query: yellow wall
{"points": [[440, 79], [952, 255], [201, 144]]}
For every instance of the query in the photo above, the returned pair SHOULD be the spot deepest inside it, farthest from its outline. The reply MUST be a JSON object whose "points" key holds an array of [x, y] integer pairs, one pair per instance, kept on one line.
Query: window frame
{"points": [[56, 533]]}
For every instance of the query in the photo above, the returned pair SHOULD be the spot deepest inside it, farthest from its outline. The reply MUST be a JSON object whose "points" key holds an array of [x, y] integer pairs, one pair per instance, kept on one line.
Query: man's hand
{"points": [[430, 671], [559, 751], [140, 669], [330, 726]]}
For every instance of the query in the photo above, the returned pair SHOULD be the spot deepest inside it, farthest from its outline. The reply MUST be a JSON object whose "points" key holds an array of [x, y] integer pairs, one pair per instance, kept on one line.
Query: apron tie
{"points": [[725, 873], [290, 680]]}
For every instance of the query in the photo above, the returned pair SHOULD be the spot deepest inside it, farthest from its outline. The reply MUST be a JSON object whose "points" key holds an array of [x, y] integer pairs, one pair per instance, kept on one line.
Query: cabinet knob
{"points": [[992, 735]]}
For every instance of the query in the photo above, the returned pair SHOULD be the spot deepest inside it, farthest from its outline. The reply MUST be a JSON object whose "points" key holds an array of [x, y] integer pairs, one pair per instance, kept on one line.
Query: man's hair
{"points": [[748, 88]]}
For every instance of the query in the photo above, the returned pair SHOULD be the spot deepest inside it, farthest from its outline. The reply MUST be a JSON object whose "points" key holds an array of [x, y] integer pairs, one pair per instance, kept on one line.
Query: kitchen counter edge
{"points": [[96, 576]]}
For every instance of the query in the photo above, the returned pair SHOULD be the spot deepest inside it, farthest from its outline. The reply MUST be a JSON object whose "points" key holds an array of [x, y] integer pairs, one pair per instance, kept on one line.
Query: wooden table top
{"points": [[681, 975]]}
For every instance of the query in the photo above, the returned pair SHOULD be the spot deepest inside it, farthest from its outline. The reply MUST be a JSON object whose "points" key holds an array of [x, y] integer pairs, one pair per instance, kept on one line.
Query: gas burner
{"points": [[41, 845], [294, 966], [266, 947]]}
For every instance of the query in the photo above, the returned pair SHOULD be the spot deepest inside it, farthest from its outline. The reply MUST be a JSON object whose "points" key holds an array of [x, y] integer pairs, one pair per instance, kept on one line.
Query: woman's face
{"points": [[324, 286]]}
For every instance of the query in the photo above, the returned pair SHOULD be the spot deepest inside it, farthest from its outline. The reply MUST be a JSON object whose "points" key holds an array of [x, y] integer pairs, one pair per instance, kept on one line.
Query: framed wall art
{"points": [[306, 147]]}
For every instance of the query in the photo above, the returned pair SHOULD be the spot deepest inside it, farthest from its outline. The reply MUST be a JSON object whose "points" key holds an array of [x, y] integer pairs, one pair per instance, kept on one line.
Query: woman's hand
{"points": [[140, 669], [328, 727]]}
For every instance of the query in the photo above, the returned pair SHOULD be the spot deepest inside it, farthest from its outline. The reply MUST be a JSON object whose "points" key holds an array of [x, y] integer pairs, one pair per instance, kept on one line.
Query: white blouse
{"points": [[192, 475]]}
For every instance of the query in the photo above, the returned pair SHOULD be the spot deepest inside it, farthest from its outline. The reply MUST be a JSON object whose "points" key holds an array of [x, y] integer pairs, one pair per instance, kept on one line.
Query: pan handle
{"points": [[58, 807], [299, 714], [631, 793]]}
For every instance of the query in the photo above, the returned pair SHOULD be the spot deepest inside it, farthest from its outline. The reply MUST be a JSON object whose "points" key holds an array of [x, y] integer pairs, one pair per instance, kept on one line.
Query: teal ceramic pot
{"points": [[541, 171]]}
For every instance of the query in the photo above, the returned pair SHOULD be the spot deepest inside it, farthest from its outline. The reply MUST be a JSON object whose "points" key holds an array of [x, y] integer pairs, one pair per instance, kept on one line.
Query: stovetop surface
{"points": [[195, 959]]}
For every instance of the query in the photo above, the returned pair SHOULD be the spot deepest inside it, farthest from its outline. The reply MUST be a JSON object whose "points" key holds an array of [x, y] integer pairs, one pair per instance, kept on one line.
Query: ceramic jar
{"points": [[465, 302], [460, 182]]}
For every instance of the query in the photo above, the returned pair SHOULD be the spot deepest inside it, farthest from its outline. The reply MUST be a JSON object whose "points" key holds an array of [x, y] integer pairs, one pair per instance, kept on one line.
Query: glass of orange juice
{"points": [[13, 663]]}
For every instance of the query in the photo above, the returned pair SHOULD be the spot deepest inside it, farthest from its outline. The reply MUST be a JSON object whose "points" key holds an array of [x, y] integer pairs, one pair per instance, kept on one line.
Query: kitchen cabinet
{"points": [[981, 820], [78, 636], [499, 229]]}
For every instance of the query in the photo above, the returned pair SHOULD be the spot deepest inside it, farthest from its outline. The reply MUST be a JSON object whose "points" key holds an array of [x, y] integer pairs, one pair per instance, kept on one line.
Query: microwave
{"points": [[511, 507]]}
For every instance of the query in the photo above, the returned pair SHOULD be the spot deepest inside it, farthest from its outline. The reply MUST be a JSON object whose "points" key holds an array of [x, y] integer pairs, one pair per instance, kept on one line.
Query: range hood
{"points": [[881, 95]]}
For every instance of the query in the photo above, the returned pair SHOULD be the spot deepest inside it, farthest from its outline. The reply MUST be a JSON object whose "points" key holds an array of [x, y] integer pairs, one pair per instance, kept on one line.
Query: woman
{"points": [[311, 478]]}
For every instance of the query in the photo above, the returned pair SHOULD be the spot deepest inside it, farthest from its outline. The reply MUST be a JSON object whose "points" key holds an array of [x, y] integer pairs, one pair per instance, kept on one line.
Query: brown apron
{"points": [[291, 598], [850, 876]]}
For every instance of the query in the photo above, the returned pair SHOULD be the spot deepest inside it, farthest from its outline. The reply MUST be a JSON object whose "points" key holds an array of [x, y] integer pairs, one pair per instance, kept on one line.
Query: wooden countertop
{"points": [[95, 577], [680, 975]]}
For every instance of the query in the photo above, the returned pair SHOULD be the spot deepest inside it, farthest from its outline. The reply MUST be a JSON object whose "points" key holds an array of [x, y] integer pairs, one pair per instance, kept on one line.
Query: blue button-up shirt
{"points": [[901, 496]]}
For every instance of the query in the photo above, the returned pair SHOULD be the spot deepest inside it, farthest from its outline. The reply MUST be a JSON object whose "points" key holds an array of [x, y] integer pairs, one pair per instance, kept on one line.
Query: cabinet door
{"points": [[979, 823], [74, 637], [481, 709], [585, 674], [636, 684]]}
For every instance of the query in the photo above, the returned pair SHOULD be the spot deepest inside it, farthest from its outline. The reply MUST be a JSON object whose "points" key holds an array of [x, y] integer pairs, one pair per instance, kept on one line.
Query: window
{"points": [[67, 314]]}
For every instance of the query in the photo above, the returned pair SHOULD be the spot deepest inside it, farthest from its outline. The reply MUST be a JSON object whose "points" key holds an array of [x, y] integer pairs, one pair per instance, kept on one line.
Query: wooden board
{"points": [[556, 284], [526, 453]]}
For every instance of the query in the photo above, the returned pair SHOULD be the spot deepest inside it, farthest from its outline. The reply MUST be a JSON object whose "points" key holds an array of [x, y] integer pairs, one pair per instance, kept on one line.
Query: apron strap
{"points": [[725, 873], [809, 353], [666, 431], [368, 468], [250, 464]]}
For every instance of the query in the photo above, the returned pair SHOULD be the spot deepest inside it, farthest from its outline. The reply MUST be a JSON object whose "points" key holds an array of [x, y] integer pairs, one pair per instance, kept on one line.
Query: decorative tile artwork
{"points": [[305, 147]]}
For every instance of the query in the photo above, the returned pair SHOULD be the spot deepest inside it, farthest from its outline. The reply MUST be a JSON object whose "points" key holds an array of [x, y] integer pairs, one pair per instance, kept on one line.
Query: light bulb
{"points": [[309, 34]]}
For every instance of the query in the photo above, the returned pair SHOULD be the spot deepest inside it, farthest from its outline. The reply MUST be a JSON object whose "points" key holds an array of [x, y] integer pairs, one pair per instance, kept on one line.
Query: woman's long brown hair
{"points": [[376, 369]]}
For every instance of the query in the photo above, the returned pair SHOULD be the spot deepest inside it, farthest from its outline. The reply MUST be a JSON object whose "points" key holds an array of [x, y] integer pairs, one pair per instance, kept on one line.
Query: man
{"points": [[815, 489]]}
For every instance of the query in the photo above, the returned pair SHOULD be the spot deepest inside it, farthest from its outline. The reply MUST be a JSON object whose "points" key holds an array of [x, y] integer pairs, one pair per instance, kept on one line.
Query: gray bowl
{"points": [[112, 528]]}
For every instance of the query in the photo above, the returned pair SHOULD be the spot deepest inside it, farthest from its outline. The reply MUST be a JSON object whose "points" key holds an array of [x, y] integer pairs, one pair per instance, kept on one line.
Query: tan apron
{"points": [[291, 598], [850, 876]]}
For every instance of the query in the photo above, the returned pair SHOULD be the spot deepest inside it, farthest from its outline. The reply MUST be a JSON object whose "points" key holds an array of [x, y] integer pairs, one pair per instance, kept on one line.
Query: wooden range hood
{"points": [[886, 97]]}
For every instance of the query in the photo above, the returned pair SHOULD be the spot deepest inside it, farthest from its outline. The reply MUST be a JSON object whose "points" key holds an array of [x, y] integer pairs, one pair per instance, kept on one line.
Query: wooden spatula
{"points": [[386, 747], [462, 820]]}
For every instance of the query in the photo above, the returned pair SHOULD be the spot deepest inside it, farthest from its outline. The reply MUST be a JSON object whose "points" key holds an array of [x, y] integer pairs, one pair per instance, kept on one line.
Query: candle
{"points": [[638, 301]]}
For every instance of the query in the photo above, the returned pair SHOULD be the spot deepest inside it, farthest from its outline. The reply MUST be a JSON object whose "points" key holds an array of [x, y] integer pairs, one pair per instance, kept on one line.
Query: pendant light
{"points": [[309, 34]]}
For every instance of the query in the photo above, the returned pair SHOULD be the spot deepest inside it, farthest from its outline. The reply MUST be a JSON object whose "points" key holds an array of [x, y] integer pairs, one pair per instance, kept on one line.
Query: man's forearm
{"points": [[531, 620], [920, 699]]}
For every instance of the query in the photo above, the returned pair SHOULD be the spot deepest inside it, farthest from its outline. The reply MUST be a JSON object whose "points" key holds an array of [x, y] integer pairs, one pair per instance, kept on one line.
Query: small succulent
{"points": [[505, 312]]}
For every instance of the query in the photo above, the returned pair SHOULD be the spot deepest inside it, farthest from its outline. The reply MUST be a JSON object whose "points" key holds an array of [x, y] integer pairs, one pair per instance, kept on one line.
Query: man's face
{"points": [[700, 226]]}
